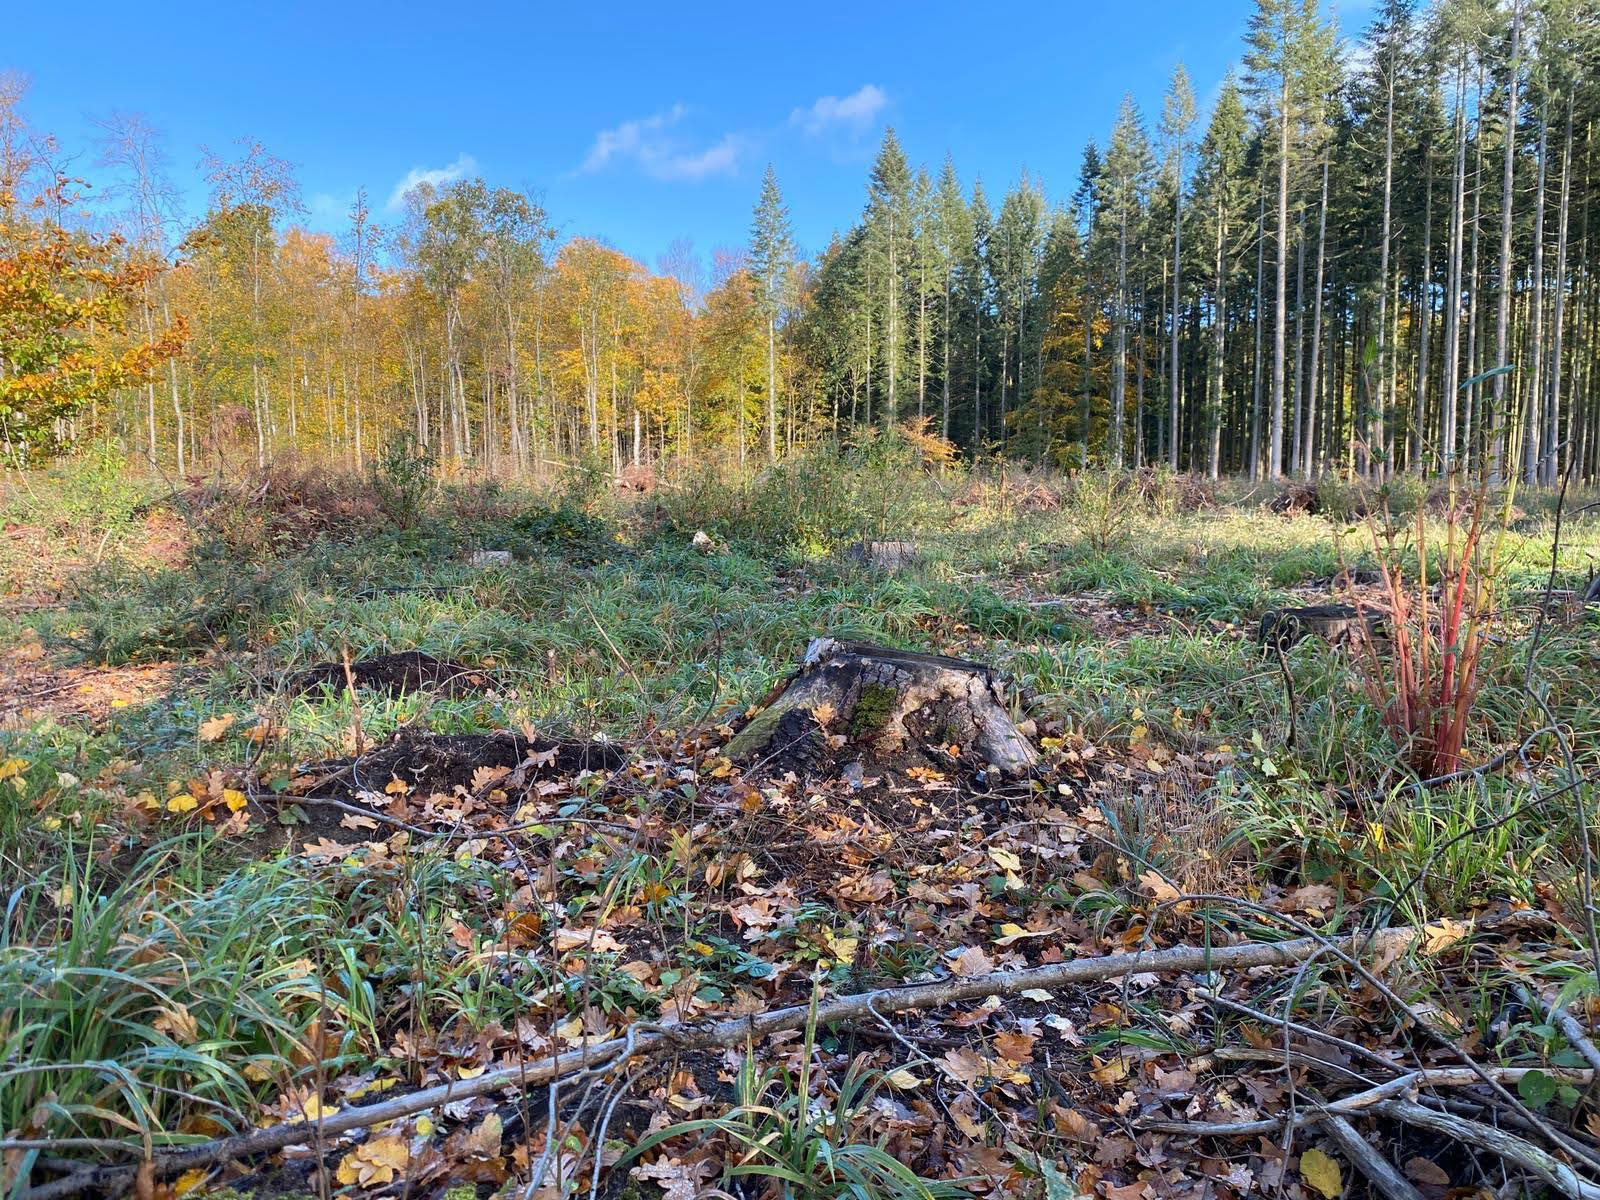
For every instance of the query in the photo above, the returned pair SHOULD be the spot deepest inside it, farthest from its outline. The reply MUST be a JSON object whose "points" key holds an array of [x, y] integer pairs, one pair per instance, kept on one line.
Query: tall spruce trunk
{"points": [[1297, 426], [1088, 365], [1385, 236], [772, 388], [1219, 322], [944, 417], [1280, 317], [1532, 408], [1177, 282], [1138, 389], [1558, 311], [1255, 397], [1502, 323], [1307, 465], [1452, 350], [1471, 420], [1119, 368], [1419, 415]]}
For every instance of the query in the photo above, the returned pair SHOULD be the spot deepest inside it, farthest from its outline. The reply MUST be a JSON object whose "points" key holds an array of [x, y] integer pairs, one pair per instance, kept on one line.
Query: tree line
{"points": [[1372, 256]]}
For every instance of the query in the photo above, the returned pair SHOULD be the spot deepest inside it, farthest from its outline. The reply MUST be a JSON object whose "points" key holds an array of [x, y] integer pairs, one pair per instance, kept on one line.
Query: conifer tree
{"points": [[771, 256], [1177, 117], [889, 232], [1127, 171]]}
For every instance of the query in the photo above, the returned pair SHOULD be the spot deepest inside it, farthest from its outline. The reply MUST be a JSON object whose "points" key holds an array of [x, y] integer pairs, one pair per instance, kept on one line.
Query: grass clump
{"points": [[782, 1137], [142, 1007]]}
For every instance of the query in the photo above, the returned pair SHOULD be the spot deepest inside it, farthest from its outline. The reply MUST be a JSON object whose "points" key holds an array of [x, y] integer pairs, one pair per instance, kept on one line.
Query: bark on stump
{"points": [[883, 556], [1335, 623], [885, 707]]}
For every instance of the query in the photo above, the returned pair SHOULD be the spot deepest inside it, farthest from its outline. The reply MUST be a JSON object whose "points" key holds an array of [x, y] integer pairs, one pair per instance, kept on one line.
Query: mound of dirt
{"points": [[440, 762], [408, 671]]}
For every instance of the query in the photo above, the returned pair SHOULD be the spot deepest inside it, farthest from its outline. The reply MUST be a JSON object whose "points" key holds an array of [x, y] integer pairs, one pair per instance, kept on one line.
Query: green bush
{"points": [[813, 503], [403, 479]]}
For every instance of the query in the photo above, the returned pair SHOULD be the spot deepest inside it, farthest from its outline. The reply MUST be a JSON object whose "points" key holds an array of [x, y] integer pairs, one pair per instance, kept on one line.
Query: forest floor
{"points": [[256, 882]]}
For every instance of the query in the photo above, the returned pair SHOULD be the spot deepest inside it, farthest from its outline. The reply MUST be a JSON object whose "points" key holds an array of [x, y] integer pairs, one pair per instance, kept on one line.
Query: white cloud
{"points": [[855, 112], [327, 206], [659, 153], [464, 165]]}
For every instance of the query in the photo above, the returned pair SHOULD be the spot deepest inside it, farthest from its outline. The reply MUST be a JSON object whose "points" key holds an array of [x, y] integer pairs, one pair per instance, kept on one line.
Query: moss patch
{"points": [[872, 708]]}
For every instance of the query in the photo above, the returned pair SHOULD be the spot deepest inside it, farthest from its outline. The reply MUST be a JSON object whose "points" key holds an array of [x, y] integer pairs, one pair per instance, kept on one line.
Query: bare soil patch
{"points": [[408, 671]]}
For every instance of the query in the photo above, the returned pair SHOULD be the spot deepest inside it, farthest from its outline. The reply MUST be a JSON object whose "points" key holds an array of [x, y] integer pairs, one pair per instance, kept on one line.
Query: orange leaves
{"points": [[65, 335], [214, 728]]}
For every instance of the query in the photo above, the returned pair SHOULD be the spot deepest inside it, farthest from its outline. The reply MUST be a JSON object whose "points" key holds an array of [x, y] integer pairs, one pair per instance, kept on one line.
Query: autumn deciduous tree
{"points": [[66, 300]]}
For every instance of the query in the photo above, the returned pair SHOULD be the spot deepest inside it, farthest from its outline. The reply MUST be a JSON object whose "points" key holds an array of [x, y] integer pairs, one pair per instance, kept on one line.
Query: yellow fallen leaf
{"points": [[570, 1030], [1321, 1173], [212, 730], [188, 1181], [972, 961], [1011, 933], [13, 766], [1438, 936], [1004, 859], [313, 1109], [1158, 888], [372, 1087], [841, 948], [234, 799], [178, 1023], [374, 1164], [1109, 1071], [183, 802], [903, 1079]]}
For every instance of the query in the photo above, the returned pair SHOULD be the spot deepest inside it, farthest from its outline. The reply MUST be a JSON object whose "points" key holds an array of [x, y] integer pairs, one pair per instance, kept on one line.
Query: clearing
{"points": [[336, 862]]}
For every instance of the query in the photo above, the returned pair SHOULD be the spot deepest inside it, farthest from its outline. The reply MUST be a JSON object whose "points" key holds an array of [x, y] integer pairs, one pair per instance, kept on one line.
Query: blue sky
{"points": [[638, 123]]}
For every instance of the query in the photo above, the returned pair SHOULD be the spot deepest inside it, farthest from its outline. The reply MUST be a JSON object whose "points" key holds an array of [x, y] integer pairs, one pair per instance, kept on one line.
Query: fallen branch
{"points": [[1311, 1115], [1507, 1146], [1432, 1077], [648, 1039], [1366, 1159]]}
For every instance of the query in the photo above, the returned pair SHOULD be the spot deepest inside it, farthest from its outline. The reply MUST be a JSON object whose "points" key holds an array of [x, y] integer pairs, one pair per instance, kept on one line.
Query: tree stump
{"points": [[883, 556], [886, 708], [1335, 623]]}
